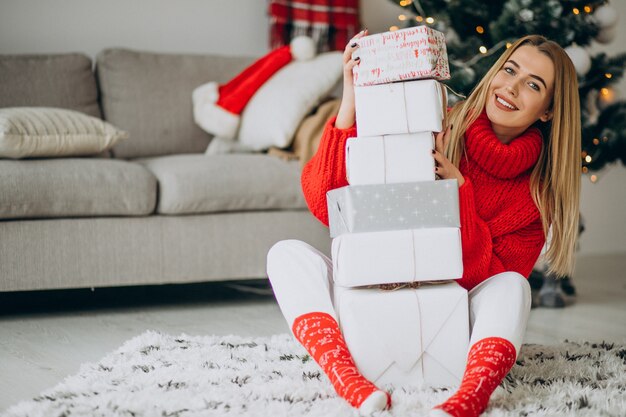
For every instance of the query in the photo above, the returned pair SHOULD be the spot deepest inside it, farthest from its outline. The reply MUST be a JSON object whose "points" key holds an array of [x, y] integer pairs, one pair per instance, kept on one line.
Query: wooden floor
{"points": [[45, 336]]}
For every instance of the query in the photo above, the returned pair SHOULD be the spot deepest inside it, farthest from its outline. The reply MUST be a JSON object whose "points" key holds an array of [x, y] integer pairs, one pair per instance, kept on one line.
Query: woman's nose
{"points": [[511, 88]]}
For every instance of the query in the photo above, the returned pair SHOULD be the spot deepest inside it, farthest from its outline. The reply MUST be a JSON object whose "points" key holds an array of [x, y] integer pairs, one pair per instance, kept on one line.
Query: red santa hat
{"points": [[217, 108]]}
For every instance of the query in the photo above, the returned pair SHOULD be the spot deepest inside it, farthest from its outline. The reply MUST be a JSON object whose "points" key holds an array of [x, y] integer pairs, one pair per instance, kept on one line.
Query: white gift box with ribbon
{"points": [[390, 159], [372, 258], [404, 107], [407, 336]]}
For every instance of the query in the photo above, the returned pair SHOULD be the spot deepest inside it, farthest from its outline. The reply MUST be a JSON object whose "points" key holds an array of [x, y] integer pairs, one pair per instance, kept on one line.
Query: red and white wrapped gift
{"points": [[407, 337], [397, 256], [407, 107], [405, 54], [390, 159]]}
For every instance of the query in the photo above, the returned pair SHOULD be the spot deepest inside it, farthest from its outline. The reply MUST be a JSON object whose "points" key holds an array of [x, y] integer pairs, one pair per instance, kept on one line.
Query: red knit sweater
{"points": [[500, 224]]}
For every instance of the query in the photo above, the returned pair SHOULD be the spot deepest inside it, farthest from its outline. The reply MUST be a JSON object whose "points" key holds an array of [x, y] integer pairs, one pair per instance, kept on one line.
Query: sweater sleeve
{"points": [[327, 169], [484, 256]]}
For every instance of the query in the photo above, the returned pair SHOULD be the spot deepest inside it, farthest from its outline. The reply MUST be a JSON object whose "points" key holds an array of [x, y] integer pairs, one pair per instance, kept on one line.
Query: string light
{"points": [[405, 2], [596, 141], [393, 28], [585, 169], [608, 75], [508, 45], [588, 158], [575, 10], [419, 18], [430, 20], [402, 17], [587, 9], [594, 178], [482, 50], [584, 153], [604, 91], [480, 29], [605, 139]]}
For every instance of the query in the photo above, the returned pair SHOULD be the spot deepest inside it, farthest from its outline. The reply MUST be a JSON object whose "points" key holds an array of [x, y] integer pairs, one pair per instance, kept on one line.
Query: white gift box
{"points": [[390, 159], [405, 54], [372, 258], [407, 336], [406, 107]]}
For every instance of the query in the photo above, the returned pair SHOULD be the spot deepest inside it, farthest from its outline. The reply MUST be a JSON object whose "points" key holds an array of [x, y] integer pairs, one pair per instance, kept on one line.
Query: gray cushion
{"points": [[60, 80], [149, 96], [205, 184], [75, 187]]}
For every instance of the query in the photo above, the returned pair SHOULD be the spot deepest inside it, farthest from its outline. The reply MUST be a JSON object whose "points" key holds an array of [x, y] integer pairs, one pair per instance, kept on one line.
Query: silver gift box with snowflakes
{"points": [[383, 207]]}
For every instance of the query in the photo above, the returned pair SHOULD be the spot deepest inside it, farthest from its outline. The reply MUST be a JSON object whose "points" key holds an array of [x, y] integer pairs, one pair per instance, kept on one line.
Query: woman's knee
{"points": [[283, 248], [292, 254], [508, 286]]}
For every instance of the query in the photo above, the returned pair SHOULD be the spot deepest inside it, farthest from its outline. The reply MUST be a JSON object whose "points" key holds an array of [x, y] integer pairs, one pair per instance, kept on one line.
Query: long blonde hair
{"points": [[555, 179]]}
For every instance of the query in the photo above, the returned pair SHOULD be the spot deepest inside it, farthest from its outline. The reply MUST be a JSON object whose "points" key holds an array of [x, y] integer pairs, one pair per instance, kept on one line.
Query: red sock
{"points": [[319, 333], [488, 362]]}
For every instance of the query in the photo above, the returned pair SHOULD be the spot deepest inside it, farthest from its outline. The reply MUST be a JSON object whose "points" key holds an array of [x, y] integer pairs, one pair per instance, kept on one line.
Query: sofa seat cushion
{"points": [[223, 183], [75, 187]]}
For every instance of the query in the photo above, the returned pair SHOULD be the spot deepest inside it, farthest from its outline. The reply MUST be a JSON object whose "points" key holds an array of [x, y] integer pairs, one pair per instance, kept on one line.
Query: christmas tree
{"points": [[477, 31]]}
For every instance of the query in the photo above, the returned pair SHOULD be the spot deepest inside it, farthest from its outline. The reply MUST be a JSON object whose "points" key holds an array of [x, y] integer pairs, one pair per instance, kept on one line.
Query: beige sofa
{"points": [[155, 209]]}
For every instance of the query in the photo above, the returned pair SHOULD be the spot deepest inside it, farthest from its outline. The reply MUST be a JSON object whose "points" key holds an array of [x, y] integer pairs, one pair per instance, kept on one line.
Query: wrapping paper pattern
{"points": [[411, 53], [380, 207]]}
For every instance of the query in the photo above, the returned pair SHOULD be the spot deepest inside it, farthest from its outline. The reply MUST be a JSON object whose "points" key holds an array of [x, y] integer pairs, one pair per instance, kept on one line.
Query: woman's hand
{"points": [[444, 168], [346, 115]]}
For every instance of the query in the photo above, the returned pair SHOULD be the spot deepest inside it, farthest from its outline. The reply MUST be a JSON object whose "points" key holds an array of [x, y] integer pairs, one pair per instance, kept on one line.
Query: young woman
{"points": [[514, 185]]}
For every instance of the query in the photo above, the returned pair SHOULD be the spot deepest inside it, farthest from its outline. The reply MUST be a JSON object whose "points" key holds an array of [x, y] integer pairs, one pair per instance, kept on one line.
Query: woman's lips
{"points": [[502, 104]]}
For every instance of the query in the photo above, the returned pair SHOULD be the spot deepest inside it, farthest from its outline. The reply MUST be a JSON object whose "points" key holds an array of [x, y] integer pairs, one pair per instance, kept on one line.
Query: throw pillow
{"points": [[219, 109], [274, 113], [53, 132]]}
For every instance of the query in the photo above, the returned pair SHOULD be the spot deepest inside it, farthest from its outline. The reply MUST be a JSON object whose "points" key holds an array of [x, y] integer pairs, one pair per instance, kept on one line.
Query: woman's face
{"points": [[521, 92]]}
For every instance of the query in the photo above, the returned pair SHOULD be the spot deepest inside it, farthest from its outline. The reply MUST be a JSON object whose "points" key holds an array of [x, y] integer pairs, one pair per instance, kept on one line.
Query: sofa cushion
{"points": [[60, 80], [149, 95], [237, 182], [75, 187]]}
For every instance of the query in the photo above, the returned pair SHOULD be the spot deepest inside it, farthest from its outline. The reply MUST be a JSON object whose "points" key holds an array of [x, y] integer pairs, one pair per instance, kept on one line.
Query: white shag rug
{"points": [[156, 374]]}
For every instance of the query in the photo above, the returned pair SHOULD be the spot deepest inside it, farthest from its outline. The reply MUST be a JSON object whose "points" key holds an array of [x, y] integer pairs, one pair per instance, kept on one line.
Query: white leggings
{"points": [[302, 279]]}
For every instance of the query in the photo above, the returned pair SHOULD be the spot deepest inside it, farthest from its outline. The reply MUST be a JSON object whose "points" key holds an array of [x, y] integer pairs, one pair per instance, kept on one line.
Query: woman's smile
{"points": [[504, 104]]}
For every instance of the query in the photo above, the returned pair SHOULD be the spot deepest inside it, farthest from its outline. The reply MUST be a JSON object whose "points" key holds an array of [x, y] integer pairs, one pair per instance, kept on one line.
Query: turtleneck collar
{"points": [[499, 159]]}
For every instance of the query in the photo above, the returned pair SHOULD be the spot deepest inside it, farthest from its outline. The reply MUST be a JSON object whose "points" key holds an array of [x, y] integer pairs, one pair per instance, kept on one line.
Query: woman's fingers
{"points": [[352, 46], [439, 141]]}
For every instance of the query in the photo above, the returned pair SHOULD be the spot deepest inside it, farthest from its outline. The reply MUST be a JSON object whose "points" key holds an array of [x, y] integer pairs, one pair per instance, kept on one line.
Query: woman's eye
{"points": [[509, 70], [533, 86]]}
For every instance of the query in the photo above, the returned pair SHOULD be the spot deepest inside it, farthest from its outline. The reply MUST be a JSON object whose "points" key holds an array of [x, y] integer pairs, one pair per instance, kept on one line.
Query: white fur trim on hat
{"points": [[211, 117], [302, 48]]}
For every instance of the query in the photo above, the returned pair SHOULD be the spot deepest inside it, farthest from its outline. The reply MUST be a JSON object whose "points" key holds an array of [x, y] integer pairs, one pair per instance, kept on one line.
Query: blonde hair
{"points": [[555, 179]]}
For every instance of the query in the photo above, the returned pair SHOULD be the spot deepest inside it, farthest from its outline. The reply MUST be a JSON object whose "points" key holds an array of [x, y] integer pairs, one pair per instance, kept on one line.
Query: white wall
{"points": [[241, 27], [215, 26]]}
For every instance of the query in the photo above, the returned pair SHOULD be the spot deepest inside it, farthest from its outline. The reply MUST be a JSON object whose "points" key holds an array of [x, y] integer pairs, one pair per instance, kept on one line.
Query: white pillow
{"points": [[274, 113], [53, 132]]}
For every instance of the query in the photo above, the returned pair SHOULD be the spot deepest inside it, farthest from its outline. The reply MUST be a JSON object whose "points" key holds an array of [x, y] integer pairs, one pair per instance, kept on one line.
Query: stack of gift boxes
{"points": [[396, 230]]}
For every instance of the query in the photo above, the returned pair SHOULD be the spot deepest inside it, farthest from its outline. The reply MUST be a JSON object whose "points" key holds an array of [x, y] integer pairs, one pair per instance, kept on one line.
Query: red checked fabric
{"points": [[331, 23]]}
